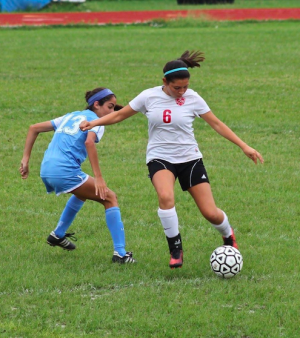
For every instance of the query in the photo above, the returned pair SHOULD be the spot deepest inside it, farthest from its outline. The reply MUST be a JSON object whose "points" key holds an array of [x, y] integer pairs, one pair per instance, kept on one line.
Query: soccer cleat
{"points": [[231, 240], [176, 260], [64, 243], [123, 260]]}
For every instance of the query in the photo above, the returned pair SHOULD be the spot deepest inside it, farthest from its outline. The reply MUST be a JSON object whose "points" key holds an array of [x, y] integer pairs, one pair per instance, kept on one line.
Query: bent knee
{"points": [[112, 198], [212, 217], [166, 200]]}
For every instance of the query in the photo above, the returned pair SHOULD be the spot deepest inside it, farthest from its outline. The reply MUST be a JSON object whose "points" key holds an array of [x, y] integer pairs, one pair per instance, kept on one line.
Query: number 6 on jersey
{"points": [[167, 116]]}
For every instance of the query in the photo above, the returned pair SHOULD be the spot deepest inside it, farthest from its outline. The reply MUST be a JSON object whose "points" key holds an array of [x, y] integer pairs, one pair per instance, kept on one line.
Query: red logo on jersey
{"points": [[180, 101]]}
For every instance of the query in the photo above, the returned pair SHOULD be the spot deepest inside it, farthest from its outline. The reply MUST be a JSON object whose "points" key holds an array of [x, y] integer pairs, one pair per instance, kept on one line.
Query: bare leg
{"points": [[163, 182], [203, 197], [112, 215], [87, 192]]}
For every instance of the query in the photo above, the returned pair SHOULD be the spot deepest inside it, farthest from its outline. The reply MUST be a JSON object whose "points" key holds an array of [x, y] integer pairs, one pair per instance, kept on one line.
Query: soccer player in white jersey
{"points": [[172, 150], [61, 170]]}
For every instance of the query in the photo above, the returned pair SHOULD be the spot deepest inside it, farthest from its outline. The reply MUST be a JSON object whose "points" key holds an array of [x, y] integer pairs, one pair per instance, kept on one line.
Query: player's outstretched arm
{"points": [[112, 118], [32, 135], [226, 132]]}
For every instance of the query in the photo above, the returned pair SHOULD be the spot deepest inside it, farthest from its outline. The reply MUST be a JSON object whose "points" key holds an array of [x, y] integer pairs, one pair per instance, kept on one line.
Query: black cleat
{"points": [[116, 258], [64, 243]]}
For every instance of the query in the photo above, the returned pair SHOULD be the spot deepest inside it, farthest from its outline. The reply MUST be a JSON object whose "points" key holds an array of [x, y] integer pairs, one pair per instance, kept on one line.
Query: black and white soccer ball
{"points": [[226, 261]]}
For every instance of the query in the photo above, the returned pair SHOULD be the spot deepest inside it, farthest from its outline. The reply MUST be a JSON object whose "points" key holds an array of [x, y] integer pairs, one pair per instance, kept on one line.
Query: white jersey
{"points": [[170, 124]]}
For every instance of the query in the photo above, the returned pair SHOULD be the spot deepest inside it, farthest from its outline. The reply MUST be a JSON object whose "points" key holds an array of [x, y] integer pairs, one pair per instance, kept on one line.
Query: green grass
{"points": [[140, 5], [250, 80]]}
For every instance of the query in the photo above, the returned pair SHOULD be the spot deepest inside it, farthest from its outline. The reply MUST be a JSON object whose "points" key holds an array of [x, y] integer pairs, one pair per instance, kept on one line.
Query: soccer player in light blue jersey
{"points": [[61, 170]]}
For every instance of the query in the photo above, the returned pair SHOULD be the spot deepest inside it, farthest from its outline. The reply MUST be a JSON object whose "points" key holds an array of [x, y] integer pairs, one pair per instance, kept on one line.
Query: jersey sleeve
{"points": [[99, 131], [201, 106], [139, 103], [56, 122]]}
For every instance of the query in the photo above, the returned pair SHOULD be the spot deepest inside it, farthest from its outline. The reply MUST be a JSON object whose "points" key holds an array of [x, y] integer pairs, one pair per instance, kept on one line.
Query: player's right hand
{"points": [[85, 125], [101, 188], [24, 170]]}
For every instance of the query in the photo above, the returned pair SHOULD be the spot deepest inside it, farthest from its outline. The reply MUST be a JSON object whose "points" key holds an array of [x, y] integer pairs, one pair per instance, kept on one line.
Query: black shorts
{"points": [[189, 174]]}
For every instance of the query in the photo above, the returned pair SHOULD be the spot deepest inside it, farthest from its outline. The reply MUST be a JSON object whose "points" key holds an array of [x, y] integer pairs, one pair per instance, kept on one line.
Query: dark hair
{"points": [[93, 92], [188, 60]]}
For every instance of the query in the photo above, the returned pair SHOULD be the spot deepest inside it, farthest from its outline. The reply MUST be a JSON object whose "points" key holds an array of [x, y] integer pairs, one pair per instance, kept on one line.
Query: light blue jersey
{"points": [[61, 166]]}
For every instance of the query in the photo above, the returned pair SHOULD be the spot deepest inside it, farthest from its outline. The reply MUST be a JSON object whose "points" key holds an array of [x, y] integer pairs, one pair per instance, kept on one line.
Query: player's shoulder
{"points": [[89, 114], [194, 95], [191, 92], [83, 112], [152, 91]]}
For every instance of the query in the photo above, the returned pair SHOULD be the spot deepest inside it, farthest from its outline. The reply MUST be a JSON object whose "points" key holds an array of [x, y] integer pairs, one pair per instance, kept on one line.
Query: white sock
{"points": [[224, 228], [169, 221]]}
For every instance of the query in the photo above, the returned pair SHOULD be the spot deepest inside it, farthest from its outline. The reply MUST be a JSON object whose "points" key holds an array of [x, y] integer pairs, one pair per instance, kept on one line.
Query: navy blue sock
{"points": [[72, 207], [116, 228]]}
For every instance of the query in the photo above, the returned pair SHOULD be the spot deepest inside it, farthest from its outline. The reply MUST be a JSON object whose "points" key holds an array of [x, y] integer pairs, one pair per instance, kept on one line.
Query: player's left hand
{"points": [[253, 154]]}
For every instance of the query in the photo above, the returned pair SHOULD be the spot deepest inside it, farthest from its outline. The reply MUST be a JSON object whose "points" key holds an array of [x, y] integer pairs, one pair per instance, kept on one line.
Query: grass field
{"points": [[132, 5], [250, 80]]}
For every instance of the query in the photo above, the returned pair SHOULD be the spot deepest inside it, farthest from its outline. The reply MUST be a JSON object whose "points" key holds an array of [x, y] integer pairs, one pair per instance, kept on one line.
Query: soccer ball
{"points": [[226, 261]]}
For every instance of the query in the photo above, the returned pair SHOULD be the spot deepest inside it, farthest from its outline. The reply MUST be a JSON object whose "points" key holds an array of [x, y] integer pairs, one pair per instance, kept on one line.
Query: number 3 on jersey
{"points": [[167, 116]]}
